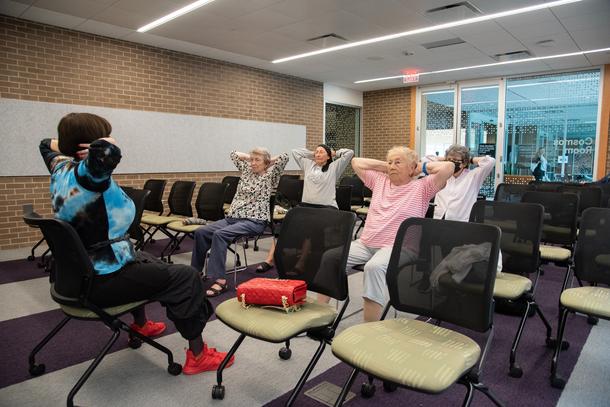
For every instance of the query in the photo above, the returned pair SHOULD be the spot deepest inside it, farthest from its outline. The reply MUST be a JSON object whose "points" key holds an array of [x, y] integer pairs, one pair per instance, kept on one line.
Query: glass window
{"points": [[551, 126], [343, 129], [437, 131]]}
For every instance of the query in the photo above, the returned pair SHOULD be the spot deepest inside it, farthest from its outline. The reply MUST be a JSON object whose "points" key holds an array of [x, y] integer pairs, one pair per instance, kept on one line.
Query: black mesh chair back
{"points": [[180, 197], [138, 196], [289, 191], [210, 200], [546, 186], [592, 254], [459, 259], [73, 270], [154, 202], [588, 196], [366, 192], [231, 183], [521, 225], [343, 196], [320, 238], [511, 192], [357, 189], [560, 215]]}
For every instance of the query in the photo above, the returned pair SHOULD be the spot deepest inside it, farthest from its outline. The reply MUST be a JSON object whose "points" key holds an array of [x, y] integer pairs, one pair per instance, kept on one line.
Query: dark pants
{"points": [[177, 287]]}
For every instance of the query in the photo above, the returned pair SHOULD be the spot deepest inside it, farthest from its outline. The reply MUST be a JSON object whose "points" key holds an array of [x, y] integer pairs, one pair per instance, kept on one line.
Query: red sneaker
{"points": [[209, 360], [149, 329]]}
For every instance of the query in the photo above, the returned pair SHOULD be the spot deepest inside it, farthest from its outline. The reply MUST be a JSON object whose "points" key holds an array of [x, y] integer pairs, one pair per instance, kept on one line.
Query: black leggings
{"points": [[177, 287]]}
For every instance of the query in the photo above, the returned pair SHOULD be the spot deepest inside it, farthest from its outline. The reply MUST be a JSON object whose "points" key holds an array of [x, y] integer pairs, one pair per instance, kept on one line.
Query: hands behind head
{"points": [[82, 154]]}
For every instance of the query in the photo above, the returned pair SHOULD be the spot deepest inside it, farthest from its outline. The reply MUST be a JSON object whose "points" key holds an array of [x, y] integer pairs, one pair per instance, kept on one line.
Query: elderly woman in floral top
{"points": [[260, 174]]}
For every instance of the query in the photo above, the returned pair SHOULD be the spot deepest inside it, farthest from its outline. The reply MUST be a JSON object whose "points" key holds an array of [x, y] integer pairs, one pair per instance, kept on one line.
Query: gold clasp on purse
{"points": [[243, 301], [287, 307]]}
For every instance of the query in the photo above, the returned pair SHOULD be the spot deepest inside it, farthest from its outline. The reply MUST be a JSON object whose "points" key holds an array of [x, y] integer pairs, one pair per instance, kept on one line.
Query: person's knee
{"points": [[375, 270]]}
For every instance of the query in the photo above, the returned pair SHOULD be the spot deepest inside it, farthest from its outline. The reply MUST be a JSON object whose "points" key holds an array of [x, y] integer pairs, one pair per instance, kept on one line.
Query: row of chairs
{"points": [[465, 301]]}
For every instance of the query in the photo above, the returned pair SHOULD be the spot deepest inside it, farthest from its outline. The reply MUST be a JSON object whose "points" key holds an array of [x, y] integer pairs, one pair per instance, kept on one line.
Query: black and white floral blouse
{"points": [[254, 190]]}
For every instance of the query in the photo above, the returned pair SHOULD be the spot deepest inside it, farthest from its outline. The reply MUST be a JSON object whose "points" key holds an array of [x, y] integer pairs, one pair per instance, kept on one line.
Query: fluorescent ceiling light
{"points": [[429, 29], [518, 61], [184, 10]]}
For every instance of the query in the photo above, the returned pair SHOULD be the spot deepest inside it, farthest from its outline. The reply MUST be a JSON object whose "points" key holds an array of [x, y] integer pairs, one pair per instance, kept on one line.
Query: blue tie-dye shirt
{"points": [[84, 194]]}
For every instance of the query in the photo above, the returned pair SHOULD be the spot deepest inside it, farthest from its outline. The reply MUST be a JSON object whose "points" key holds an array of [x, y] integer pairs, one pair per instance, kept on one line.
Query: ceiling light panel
{"points": [[180, 12]]}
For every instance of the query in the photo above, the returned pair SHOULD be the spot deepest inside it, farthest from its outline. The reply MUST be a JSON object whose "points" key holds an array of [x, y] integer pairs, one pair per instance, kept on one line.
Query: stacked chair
{"points": [[71, 282], [180, 207], [231, 182], [521, 226], [154, 202], [592, 265], [511, 192], [358, 203], [343, 196], [209, 207], [417, 354], [329, 232]]}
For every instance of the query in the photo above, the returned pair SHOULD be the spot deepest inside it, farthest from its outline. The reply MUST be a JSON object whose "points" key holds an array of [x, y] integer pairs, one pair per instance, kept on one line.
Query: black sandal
{"points": [[217, 291], [263, 267]]}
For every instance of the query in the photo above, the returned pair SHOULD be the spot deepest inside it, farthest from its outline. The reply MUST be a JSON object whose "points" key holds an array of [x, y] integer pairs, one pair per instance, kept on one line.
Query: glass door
{"points": [[479, 125]]}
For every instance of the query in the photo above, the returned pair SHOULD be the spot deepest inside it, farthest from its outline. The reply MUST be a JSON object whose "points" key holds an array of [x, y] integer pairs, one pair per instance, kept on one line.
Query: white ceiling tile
{"points": [[568, 63], [13, 8], [262, 21], [592, 38], [583, 7], [159, 7], [237, 8], [301, 10], [586, 21], [599, 59], [51, 17], [82, 8]]}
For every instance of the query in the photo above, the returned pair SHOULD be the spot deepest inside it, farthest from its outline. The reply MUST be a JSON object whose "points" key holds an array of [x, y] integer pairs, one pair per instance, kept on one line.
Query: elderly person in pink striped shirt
{"points": [[397, 196]]}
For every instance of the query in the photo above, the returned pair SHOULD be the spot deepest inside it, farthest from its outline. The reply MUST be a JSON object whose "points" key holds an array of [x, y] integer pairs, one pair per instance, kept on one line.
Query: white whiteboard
{"points": [[149, 141]]}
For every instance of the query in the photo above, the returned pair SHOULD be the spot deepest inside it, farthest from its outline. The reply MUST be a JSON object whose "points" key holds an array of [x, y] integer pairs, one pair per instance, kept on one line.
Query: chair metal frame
{"points": [[71, 291]]}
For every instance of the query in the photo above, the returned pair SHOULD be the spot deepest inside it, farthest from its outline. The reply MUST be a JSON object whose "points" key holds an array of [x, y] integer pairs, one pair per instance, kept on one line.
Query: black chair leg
{"points": [[306, 373], [32, 255], [218, 391], [485, 390], [115, 335], [348, 385], [37, 370], [557, 381], [469, 393], [172, 367], [514, 369]]}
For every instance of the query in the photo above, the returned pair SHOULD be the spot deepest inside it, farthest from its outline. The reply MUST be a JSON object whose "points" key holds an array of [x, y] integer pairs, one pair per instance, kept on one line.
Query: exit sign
{"points": [[410, 78]]}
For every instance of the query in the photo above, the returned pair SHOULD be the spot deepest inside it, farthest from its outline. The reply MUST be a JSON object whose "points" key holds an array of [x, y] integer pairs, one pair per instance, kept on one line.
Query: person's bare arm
{"points": [[360, 165], [442, 171]]}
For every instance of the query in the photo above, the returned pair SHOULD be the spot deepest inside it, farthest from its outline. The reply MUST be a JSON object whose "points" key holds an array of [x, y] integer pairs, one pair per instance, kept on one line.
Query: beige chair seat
{"points": [[84, 313], [356, 207], [558, 230], [158, 220], [587, 300], [603, 260], [362, 211], [177, 226], [554, 253], [511, 286], [408, 352], [278, 216], [225, 207], [273, 324]]}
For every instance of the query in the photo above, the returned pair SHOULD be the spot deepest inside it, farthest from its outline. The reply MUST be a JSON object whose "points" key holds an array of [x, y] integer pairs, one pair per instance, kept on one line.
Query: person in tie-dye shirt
{"points": [[81, 161]]}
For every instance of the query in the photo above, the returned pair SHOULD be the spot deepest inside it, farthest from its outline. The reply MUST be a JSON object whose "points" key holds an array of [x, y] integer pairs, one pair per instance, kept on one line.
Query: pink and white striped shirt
{"points": [[391, 205]]}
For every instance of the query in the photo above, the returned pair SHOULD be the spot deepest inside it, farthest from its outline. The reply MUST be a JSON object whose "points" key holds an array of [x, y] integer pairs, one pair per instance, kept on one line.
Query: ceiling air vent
{"points": [[327, 40], [512, 55], [443, 43], [454, 11]]}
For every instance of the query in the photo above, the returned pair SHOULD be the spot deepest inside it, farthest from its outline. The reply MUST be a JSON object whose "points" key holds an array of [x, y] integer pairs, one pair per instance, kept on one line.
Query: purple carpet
{"points": [[533, 389], [78, 341]]}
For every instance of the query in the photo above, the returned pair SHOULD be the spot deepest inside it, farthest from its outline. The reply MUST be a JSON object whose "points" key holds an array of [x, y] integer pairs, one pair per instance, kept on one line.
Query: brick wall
{"points": [[386, 122], [44, 63]]}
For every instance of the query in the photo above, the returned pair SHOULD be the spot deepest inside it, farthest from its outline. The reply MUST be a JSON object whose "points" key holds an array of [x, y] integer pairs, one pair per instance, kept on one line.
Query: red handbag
{"points": [[288, 294]]}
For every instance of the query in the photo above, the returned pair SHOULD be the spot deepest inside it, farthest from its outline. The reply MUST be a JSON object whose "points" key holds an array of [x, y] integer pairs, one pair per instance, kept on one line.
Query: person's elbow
{"points": [[446, 170]]}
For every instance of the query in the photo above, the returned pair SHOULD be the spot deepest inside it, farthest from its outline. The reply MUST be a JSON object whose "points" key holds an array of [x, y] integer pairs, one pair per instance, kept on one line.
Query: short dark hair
{"points": [[80, 128]]}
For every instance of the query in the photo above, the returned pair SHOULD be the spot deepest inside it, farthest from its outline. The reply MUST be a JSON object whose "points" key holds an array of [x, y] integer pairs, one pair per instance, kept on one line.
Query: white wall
{"points": [[342, 96]]}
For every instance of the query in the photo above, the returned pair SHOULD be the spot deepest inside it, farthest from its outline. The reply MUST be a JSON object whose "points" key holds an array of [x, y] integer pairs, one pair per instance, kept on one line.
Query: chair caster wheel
{"points": [[31, 258], [255, 248], [134, 343], [238, 263], [218, 392], [37, 370], [389, 387], [367, 390], [552, 343], [285, 353], [174, 369], [515, 371], [592, 320], [558, 382]]}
